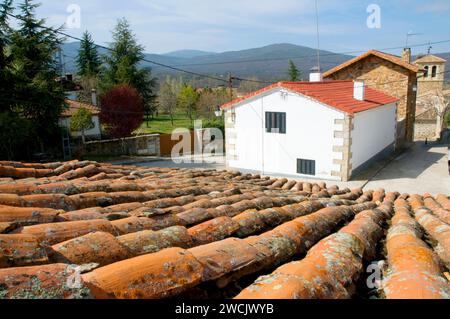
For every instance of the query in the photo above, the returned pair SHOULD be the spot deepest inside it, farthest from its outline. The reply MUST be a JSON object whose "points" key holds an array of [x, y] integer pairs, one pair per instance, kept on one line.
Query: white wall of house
{"points": [[310, 128], [374, 130], [92, 133]]}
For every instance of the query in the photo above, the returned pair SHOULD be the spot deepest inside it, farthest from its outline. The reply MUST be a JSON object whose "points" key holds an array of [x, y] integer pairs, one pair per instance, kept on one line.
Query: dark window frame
{"points": [[427, 70], [275, 122], [434, 71], [306, 167]]}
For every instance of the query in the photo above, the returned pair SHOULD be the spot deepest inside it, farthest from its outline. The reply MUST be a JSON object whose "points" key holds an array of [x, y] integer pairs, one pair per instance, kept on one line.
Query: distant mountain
{"points": [[269, 63], [446, 56], [188, 54]]}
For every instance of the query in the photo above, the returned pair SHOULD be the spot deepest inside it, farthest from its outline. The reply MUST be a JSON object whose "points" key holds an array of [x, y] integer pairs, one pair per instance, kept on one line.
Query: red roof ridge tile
{"points": [[343, 89]]}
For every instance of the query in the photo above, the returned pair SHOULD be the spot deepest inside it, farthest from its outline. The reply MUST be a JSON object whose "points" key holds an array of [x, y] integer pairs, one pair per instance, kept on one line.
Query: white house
{"points": [[326, 129], [74, 106]]}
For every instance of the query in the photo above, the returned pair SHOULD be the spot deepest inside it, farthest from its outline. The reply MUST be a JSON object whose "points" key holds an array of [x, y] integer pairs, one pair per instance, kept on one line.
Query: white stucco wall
{"points": [[310, 135], [374, 130], [95, 132]]}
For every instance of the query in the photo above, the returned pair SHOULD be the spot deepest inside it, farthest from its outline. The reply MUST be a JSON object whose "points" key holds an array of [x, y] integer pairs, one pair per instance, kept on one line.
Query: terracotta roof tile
{"points": [[337, 94], [74, 106], [159, 233]]}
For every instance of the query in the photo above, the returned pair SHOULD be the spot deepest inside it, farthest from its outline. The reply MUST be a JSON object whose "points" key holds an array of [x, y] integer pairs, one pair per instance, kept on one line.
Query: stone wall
{"points": [[426, 86], [345, 163], [145, 145], [425, 130], [389, 78], [230, 137]]}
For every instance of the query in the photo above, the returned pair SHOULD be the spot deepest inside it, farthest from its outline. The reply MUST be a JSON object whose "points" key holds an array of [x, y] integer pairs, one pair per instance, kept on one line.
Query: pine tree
{"points": [[123, 66], [294, 73], [38, 97], [88, 59], [5, 57]]}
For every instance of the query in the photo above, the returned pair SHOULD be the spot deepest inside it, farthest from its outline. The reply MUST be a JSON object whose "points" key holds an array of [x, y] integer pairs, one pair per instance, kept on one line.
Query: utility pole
{"points": [[230, 85]]}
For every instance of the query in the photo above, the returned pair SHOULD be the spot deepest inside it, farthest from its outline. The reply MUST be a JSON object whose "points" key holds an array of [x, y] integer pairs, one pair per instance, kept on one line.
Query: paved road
{"points": [[421, 169]]}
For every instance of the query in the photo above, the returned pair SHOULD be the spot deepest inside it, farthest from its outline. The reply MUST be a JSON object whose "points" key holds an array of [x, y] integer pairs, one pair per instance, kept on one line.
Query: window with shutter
{"points": [[306, 167], [276, 122]]}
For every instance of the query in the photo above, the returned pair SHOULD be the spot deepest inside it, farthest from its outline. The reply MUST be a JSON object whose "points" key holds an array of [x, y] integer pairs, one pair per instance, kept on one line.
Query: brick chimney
{"points": [[406, 55]]}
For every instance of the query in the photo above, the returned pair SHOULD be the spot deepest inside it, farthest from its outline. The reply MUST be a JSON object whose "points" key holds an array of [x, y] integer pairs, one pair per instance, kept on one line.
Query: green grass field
{"points": [[162, 124]]}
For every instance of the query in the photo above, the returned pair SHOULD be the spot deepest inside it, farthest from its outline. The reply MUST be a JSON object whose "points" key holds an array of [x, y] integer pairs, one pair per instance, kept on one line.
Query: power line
{"points": [[311, 56], [111, 50]]}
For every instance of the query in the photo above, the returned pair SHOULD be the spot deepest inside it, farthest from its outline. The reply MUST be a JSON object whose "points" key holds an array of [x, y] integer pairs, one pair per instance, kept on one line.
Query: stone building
{"points": [[433, 77], [430, 83], [391, 74]]}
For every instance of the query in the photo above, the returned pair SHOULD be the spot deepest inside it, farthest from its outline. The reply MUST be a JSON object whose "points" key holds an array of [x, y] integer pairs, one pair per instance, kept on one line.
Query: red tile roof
{"points": [[74, 106], [337, 94]]}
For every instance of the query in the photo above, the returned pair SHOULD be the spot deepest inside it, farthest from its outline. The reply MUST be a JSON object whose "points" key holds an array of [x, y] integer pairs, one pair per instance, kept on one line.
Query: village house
{"points": [[322, 129], [393, 75], [73, 107]]}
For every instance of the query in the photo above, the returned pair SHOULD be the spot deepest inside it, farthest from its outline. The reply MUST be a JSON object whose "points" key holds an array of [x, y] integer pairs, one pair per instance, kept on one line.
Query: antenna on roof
{"points": [[318, 35], [408, 35], [429, 48]]}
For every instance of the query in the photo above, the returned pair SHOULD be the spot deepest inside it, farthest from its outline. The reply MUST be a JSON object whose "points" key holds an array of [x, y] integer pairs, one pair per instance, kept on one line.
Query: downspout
{"points": [[262, 137]]}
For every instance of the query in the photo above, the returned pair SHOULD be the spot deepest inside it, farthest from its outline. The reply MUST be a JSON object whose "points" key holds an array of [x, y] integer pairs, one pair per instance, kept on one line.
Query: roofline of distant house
{"points": [[385, 56], [88, 107]]}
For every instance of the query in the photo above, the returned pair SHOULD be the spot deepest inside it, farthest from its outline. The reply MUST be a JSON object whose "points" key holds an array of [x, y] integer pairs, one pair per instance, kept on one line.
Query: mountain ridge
{"points": [[268, 63]]}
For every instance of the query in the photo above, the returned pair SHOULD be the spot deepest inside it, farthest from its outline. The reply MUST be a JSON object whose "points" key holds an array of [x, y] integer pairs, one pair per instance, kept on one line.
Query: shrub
{"points": [[122, 111]]}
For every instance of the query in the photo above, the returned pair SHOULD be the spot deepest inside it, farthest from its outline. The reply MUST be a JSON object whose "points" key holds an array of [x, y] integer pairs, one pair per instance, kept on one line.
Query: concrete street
{"points": [[421, 169]]}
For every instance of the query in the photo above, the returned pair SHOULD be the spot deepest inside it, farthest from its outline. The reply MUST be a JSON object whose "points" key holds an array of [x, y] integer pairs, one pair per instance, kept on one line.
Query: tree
{"points": [[81, 121], [168, 95], [88, 60], [122, 110], [123, 66], [210, 99], [30, 70], [187, 101], [250, 86], [5, 57], [294, 73], [15, 132], [88, 83]]}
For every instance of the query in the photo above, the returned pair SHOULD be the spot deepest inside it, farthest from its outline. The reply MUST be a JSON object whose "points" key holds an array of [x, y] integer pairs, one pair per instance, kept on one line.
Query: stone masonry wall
{"points": [[389, 78], [145, 145], [425, 131]]}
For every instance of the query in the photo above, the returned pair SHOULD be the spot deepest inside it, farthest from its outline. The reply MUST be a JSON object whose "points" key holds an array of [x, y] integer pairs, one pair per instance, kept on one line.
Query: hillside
{"points": [[268, 63], [188, 54]]}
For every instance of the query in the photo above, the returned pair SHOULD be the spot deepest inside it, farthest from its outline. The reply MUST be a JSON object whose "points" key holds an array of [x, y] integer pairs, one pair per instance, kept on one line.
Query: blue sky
{"points": [[227, 25]]}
